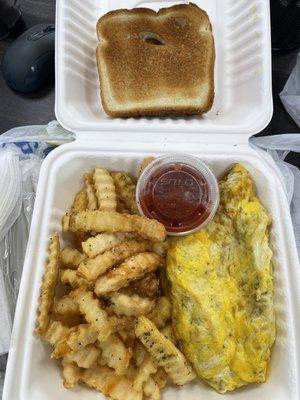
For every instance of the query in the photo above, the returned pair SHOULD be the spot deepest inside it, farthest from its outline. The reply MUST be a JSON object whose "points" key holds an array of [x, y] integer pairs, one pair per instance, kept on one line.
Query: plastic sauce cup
{"points": [[179, 191]]}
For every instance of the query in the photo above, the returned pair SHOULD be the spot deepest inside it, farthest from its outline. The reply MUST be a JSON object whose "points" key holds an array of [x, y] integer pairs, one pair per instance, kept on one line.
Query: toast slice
{"points": [[156, 63]]}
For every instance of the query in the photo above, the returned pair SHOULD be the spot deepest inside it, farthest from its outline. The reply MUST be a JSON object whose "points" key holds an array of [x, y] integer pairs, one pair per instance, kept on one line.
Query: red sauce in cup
{"points": [[178, 194]]}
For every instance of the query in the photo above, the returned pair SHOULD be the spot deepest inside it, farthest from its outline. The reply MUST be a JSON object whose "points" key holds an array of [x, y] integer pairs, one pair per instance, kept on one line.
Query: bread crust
{"points": [[135, 76]]}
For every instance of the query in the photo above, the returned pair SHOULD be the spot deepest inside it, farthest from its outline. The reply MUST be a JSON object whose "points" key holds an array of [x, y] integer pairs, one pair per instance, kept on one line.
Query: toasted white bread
{"points": [[156, 63]]}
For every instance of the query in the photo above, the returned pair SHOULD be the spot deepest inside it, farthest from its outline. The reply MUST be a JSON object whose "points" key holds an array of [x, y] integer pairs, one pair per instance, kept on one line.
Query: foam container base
{"points": [[32, 375]]}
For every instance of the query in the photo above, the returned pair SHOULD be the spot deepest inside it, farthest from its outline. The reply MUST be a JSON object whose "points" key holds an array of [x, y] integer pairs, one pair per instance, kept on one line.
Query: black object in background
{"points": [[285, 24], [28, 63], [10, 18]]}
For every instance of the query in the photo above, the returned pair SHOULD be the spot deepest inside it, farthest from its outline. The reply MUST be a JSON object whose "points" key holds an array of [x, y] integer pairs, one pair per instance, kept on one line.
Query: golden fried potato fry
{"points": [[82, 237], [125, 188], [48, 286], [56, 333], [92, 311], [80, 202], [93, 267], [123, 304], [121, 208], [65, 222], [78, 337], [121, 324], [85, 357], [70, 277], [131, 269], [139, 353], [147, 286], [151, 389], [92, 202], [69, 320], [160, 378], [66, 305], [164, 282], [71, 373], [115, 354], [71, 258], [161, 313], [146, 161], [147, 367], [81, 336], [130, 372], [168, 333], [106, 381], [61, 349], [164, 352], [160, 248], [103, 242], [105, 190], [110, 221], [128, 337]]}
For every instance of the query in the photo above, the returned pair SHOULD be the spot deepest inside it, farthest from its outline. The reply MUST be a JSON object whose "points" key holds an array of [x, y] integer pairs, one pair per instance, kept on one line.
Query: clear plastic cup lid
{"points": [[180, 191]]}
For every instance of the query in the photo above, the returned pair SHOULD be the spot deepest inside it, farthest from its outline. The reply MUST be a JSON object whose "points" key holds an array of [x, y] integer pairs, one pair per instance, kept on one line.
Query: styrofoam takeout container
{"points": [[32, 375], [243, 106], [243, 101]]}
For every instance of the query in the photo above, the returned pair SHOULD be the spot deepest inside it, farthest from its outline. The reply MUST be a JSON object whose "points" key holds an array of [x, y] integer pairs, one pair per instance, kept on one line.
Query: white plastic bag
{"points": [[22, 151], [279, 146], [290, 96]]}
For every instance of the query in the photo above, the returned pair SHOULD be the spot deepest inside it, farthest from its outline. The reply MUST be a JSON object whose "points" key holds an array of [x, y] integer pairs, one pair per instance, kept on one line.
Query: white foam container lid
{"points": [[32, 375], [243, 100], [243, 106]]}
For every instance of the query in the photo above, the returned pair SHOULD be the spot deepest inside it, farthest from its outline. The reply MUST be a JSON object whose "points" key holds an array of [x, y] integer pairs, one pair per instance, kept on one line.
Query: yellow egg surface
{"points": [[221, 289]]}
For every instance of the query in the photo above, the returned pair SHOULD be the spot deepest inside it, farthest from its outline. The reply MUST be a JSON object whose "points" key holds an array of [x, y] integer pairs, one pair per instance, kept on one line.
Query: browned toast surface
{"points": [[156, 63]]}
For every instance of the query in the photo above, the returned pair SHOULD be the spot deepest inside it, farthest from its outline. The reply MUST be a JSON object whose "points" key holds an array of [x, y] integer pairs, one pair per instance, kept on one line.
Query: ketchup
{"points": [[178, 195]]}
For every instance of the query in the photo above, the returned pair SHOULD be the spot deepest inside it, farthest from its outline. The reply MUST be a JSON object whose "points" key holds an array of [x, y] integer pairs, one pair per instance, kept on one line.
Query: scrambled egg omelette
{"points": [[221, 289]]}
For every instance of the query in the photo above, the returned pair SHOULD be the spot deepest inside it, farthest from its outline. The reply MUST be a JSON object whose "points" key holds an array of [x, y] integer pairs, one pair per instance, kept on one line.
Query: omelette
{"points": [[221, 288]]}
